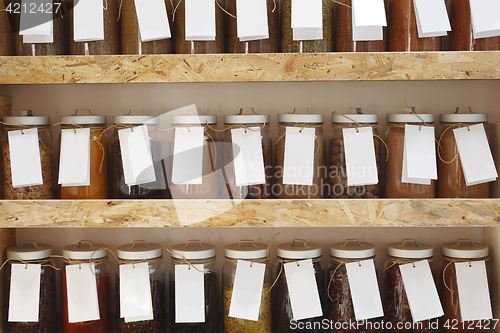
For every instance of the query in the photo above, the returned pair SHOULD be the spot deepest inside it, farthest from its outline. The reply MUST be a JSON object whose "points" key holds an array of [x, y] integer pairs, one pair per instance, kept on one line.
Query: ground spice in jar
{"points": [[5, 32]]}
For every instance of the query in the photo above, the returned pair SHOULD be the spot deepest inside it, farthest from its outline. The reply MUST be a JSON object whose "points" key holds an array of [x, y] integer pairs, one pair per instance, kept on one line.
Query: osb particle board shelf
{"points": [[250, 213], [382, 66]]}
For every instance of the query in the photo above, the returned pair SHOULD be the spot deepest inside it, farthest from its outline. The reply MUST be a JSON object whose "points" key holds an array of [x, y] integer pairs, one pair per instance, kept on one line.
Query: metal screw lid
{"points": [[194, 120], [89, 119], [469, 117], [358, 117], [139, 250], [413, 250], [29, 251], [84, 250], [464, 249], [27, 119], [409, 117], [194, 250], [352, 249], [246, 249], [134, 119], [298, 249]]}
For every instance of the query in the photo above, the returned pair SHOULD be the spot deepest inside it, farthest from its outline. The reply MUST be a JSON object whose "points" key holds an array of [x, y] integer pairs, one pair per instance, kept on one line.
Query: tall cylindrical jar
{"points": [[295, 251], [394, 187], [203, 254], [250, 123], [5, 31], [42, 124], [98, 188], [338, 168], [396, 302], [35, 253], [83, 253], [451, 181], [152, 253]]}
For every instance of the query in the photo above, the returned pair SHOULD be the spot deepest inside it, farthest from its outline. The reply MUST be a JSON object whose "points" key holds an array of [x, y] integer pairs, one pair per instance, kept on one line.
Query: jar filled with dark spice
{"points": [[197, 253], [5, 31], [256, 253], [140, 251], [35, 253], [295, 251], [397, 308]]}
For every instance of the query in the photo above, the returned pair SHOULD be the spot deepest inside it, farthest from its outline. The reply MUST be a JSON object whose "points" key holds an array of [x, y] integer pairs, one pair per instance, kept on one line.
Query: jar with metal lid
{"points": [[5, 31], [35, 253], [152, 253], [204, 254], [246, 250], [340, 305], [394, 187], [295, 251], [85, 252], [118, 188], [464, 250], [293, 191], [251, 122], [451, 181], [403, 33], [397, 308], [338, 169], [98, 188], [19, 123]]}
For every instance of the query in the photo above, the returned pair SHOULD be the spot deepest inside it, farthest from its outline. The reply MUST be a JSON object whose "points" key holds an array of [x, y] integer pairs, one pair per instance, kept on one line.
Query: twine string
{"points": [[340, 3], [341, 262], [120, 10], [452, 261], [184, 261], [42, 262], [395, 261], [23, 127], [449, 126], [411, 111]]}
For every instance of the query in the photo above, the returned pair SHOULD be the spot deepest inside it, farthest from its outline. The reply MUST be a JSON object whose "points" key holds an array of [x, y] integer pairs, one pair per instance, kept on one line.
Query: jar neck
{"points": [[205, 261], [235, 260], [348, 260], [450, 259], [122, 261], [22, 127], [95, 261], [287, 260], [400, 261], [93, 127]]}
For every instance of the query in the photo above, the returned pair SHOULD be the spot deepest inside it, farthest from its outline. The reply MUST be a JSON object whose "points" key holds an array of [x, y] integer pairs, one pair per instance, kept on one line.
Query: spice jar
{"points": [[338, 169], [140, 251], [98, 188], [131, 42], [394, 188], [249, 122], [290, 191], [295, 251], [256, 253], [34, 253], [5, 32], [460, 251], [461, 36], [397, 307], [451, 181], [204, 254], [288, 45], [343, 32], [83, 253], [119, 189], [183, 46], [403, 33], [268, 45], [42, 124]]}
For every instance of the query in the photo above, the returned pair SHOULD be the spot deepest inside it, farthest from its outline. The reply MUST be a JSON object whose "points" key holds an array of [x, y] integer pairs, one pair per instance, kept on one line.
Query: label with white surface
{"points": [[200, 20], [81, 286], [420, 148], [307, 19], [189, 294], [187, 166], [88, 20], [74, 160], [25, 164], [299, 156], [251, 16], [135, 291], [36, 17], [248, 156], [473, 291], [247, 290], [432, 18], [152, 19], [24, 297], [360, 158], [484, 18]]}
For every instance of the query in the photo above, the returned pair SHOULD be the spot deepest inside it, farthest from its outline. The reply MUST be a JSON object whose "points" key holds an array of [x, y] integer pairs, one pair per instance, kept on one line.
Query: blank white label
{"points": [[369, 13], [484, 18], [307, 19], [299, 156], [404, 176], [360, 156], [200, 20], [420, 148], [251, 16], [81, 286], [248, 156], [247, 290], [24, 298], [36, 17], [74, 160], [187, 166], [189, 294], [25, 164], [88, 20], [432, 18], [40, 39], [152, 19], [473, 291], [135, 291]]}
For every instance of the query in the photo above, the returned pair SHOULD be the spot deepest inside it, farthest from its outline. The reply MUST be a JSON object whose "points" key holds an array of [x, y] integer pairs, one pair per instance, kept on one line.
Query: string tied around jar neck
{"points": [[448, 127], [341, 262], [302, 126], [118, 260], [455, 260], [24, 127], [395, 261], [42, 262], [184, 261], [409, 110]]}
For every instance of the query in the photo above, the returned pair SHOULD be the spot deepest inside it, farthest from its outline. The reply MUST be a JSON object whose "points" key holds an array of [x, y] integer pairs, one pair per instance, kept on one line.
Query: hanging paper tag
{"points": [[189, 294], [251, 20], [360, 156], [248, 156], [421, 291], [25, 164], [135, 291], [363, 285], [152, 19], [299, 156], [484, 18], [74, 161], [24, 298], [247, 290], [303, 289], [406, 179], [81, 286], [473, 291], [36, 17], [200, 20], [368, 18], [420, 147], [307, 19], [88, 20], [187, 166], [40, 39], [475, 154], [432, 18]]}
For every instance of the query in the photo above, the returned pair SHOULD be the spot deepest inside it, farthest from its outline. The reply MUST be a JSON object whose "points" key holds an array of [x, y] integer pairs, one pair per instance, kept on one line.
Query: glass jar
{"points": [[82, 253], [394, 139], [140, 251], [461, 36], [258, 191], [288, 45], [183, 46], [403, 33], [110, 45], [338, 169], [254, 252], [131, 42], [98, 188], [295, 251], [42, 124], [119, 189], [397, 307], [290, 191], [197, 253], [343, 32], [451, 181], [340, 306], [5, 32], [269, 45], [464, 250], [34, 253]]}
